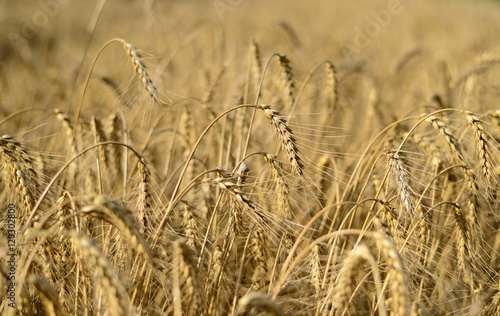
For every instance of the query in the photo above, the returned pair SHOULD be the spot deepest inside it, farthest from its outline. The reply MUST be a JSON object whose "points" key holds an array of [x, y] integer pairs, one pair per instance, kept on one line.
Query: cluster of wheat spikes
{"points": [[251, 185]]}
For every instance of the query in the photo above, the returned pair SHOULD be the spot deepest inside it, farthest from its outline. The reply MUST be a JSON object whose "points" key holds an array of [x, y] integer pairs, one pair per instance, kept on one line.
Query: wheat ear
{"points": [[260, 253], [282, 187], [331, 82], [196, 301], [288, 141], [397, 168], [114, 213], [347, 275], [343, 292], [399, 287], [70, 139], [259, 301], [464, 254], [117, 297], [49, 295], [256, 64], [190, 227], [114, 129], [315, 274], [439, 125], [456, 147], [19, 171], [287, 78], [241, 204], [145, 200], [140, 69], [101, 137], [483, 146]]}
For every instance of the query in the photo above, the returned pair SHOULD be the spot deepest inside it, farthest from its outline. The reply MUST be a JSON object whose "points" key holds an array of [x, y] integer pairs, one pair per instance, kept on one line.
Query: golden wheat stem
{"points": [[14, 114], [140, 68], [304, 84], [87, 81], [242, 261], [205, 239], [98, 160], [254, 112], [174, 200]]}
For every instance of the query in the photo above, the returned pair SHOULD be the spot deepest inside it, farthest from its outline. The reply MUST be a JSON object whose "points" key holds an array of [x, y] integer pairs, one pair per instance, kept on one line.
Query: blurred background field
{"points": [[373, 177]]}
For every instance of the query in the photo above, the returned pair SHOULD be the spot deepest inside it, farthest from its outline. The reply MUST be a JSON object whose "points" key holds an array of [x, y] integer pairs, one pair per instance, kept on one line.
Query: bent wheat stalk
{"points": [[140, 68], [277, 121]]}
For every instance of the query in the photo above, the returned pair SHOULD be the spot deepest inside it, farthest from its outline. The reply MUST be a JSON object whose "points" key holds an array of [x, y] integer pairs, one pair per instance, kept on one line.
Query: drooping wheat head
{"points": [[140, 69], [285, 134]]}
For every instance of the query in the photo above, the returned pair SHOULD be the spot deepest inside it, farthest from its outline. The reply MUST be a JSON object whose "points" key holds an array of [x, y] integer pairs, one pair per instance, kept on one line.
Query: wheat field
{"points": [[249, 158]]}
